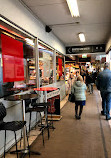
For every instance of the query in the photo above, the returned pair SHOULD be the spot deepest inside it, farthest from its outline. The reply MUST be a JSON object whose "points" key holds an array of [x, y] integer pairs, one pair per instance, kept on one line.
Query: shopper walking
{"points": [[77, 75], [79, 89], [83, 74], [103, 84], [89, 82]]}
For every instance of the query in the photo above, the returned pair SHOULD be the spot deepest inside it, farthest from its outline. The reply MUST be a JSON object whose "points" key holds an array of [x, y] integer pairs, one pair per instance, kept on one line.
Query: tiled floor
{"points": [[89, 137]]}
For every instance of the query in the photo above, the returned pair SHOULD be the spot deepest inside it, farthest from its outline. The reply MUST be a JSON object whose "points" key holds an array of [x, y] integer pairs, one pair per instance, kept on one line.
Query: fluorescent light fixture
{"points": [[82, 37], [73, 7], [40, 47]]}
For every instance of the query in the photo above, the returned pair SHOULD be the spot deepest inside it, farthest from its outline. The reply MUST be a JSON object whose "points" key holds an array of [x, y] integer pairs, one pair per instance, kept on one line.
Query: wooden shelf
{"points": [[31, 67], [32, 77]]}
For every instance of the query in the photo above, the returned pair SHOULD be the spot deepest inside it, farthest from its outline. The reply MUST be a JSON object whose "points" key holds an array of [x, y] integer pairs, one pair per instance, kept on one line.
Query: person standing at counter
{"points": [[79, 90], [70, 82], [103, 84]]}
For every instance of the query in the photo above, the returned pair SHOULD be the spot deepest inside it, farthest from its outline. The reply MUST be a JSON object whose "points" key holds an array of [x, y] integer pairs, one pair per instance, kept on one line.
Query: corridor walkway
{"points": [[89, 137]]}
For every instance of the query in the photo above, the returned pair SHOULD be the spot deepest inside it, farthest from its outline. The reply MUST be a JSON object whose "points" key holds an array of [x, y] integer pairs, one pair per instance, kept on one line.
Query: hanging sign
{"points": [[85, 49]]}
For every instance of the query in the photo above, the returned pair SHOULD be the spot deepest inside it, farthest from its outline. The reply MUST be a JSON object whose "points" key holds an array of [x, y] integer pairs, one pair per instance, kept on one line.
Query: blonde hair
{"points": [[80, 78]]}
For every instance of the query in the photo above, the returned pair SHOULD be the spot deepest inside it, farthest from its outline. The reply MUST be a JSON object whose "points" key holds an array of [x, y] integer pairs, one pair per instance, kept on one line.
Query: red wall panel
{"points": [[12, 56], [60, 66]]}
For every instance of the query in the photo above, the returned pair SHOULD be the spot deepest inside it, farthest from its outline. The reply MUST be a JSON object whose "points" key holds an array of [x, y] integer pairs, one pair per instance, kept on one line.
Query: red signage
{"points": [[60, 66], [12, 56]]}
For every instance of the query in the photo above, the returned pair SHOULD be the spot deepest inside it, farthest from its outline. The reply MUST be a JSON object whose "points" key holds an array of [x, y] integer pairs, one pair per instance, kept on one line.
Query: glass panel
{"points": [[45, 65], [28, 62]]}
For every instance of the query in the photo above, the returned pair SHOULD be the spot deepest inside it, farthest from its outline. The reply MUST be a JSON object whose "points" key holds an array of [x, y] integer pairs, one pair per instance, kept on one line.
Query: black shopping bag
{"points": [[71, 98]]}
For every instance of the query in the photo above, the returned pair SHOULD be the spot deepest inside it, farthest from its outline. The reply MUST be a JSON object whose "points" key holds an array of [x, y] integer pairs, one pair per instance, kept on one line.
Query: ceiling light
{"points": [[73, 7], [82, 37], [29, 41]]}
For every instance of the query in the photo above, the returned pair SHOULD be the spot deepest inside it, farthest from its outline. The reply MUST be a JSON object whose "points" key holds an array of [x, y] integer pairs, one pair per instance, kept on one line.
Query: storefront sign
{"points": [[53, 97], [85, 49]]}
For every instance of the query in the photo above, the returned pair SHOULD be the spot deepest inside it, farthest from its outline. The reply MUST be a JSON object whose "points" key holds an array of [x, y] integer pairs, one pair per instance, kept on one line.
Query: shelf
{"points": [[31, 67], [32, 77]]}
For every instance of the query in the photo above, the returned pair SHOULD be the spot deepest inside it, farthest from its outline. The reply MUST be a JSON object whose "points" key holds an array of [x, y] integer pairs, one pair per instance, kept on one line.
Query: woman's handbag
{"points": [[71, 98]]}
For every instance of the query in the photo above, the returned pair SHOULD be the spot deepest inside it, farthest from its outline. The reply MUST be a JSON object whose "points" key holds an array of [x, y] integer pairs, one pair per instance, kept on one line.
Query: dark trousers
{"points": [[80, 110], [106, 103]]}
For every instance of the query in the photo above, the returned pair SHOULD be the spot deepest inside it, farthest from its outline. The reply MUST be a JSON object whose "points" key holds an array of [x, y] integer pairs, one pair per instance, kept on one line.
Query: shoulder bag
{"points": [[71, 98]]}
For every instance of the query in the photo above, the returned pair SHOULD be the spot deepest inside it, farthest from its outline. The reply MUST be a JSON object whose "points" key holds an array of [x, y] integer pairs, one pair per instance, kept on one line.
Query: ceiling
{"points": [[94, 20]]}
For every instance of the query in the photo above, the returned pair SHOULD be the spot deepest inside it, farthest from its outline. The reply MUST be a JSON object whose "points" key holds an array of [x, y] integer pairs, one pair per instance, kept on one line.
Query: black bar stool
{"points": [[38, 108], [10, 126], [45, 107]]}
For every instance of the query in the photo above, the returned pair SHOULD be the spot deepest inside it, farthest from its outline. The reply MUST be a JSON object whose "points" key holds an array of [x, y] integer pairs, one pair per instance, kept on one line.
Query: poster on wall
{"points": [[55, 105], [53, 97], [12, 56]]}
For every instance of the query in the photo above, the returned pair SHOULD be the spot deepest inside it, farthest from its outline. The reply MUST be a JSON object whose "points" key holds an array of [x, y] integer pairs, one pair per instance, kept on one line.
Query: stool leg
{"points": [[28, 142], [30, 121], [51, 118], [47, 124], [16, 143], [36, 120], [43, 136], [48, 132], [42, 128], [40, 118], [21, 138], [4, 143]]}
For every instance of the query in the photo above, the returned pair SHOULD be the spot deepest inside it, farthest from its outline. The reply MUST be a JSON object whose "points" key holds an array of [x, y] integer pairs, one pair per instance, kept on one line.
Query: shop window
{"points": [[59, 67], [46, 72], [17, 60]]}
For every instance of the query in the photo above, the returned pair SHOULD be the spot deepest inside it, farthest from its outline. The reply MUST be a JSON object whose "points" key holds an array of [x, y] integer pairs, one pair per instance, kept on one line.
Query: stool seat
{"points": [[40, 104], [13, 125], [36, 109]]}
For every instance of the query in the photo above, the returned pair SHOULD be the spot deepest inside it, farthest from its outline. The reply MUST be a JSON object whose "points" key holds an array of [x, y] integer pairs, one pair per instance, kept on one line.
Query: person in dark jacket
{"points": [[89, 82], [103, 84]]}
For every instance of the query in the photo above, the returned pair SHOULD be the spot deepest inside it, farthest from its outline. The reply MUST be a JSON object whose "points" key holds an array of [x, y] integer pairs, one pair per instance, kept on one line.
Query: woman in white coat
{"points": [[79, 90]]}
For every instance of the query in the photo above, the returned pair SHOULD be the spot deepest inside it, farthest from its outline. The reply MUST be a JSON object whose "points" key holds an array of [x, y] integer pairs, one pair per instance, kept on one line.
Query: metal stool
{"points": [[43, 107], [10, 126], [38, 108]]}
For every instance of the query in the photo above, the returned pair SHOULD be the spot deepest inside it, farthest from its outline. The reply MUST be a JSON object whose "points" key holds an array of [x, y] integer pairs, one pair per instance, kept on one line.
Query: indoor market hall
{"points": [[55, 79]]}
